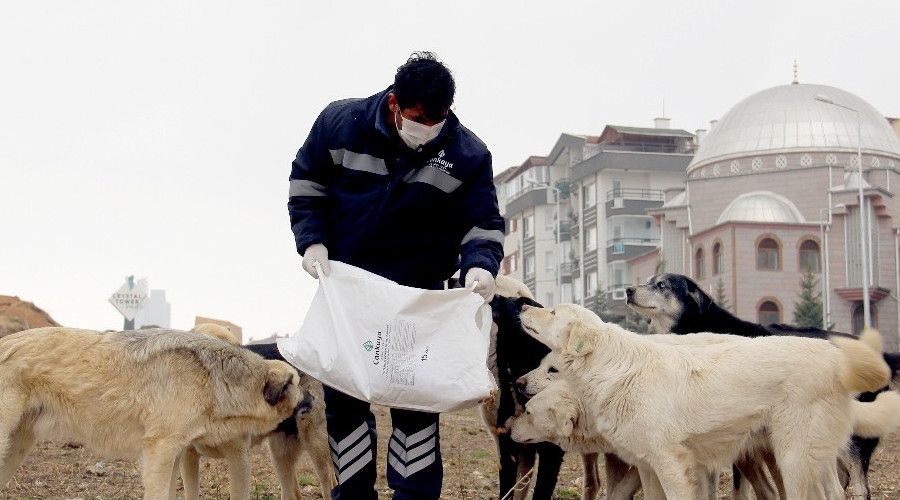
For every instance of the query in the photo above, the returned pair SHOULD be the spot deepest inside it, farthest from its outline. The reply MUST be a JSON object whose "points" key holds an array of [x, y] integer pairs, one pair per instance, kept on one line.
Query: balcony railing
{"points": [[632, 241], [636, 194]]}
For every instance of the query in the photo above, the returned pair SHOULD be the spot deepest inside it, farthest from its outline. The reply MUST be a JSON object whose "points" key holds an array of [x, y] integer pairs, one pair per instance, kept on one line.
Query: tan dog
{"points": [[145, 394], [689, 410], [216, 331], [304, 432]]}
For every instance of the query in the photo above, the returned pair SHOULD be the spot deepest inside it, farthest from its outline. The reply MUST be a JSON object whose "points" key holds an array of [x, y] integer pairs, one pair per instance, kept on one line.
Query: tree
{"points": [[721, 298], [601, 306], [808, 310]]}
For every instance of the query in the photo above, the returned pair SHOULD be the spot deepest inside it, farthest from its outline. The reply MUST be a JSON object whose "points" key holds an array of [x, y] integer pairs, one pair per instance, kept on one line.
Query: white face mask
{"points": [[415, 134]]}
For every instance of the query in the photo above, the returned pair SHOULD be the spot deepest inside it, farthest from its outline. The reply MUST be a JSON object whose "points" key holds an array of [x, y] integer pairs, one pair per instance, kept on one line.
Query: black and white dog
{"points": [[514, 353], [675, 304]]}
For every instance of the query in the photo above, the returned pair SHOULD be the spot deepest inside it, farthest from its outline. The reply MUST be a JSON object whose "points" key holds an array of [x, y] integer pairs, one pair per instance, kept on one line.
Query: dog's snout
{"points": [[526, 307], [520, 382], [629, 292]]}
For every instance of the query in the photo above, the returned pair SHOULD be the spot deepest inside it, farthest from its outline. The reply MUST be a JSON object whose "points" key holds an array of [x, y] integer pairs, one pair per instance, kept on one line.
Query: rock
{"points": [[98, 469]]}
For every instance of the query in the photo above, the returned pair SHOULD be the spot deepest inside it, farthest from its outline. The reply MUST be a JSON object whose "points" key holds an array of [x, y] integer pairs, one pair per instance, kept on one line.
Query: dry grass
{"points": [[56, 471]]}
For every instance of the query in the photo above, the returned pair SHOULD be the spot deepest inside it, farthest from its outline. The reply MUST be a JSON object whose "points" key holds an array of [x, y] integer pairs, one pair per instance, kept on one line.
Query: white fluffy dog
{"points": [[687, 410]]}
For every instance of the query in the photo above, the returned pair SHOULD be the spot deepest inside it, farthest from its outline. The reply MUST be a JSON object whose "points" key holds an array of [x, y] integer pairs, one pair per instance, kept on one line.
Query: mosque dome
{"points": [[761, 206], [789, 118]]}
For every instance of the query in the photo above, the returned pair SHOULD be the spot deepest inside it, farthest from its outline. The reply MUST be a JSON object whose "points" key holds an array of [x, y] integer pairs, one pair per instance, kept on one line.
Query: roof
{"points": [[511, 172], [790, 118], [761, 206], [651, 131]]}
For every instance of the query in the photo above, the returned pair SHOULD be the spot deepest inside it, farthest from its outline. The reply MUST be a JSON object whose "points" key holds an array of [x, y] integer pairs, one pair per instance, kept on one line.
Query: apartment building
{"points": [[576, 216]]}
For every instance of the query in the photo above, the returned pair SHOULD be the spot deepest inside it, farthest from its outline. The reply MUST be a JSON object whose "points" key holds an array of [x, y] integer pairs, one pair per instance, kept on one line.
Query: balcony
{"points": [[567, 270], [565, 230], [627, 248], [633, 201]]}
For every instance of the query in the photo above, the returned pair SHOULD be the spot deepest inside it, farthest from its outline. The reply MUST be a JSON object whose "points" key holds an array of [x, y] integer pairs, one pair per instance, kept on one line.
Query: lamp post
{"points": [[864, 230], [556, 250]]}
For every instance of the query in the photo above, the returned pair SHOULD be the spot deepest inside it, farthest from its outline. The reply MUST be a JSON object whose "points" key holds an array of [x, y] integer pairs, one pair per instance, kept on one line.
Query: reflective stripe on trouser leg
{"points": [[414, 455], [352, 439]]}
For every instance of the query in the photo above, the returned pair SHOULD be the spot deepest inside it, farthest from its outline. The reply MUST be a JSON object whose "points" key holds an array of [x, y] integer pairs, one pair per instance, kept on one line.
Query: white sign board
{"points": [[130, 299]]}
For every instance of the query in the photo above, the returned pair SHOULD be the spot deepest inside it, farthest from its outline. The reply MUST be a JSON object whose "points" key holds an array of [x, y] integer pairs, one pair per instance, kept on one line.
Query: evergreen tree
{"points": [[601, 306], [808, 310], [721, 298]]}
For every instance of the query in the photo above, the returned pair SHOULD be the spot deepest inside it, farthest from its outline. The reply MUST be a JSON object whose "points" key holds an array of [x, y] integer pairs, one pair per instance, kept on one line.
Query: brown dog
{"points": [[146, 394]]}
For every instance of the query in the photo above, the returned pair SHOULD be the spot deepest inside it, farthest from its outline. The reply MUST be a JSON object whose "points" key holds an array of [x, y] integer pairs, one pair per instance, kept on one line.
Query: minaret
{"points": [[796, 80]]}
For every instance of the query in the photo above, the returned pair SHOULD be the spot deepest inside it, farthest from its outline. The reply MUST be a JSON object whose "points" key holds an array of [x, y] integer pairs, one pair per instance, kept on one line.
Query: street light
{"points": [[556, 250], [864, 229]]}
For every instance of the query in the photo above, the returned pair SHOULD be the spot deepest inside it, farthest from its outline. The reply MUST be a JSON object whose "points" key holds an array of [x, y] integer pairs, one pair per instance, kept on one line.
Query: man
{"points": [[394, 184]]}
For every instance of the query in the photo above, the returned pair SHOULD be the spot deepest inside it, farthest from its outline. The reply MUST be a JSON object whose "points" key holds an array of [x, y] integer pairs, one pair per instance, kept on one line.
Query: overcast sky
{"points": [[155, 138]]}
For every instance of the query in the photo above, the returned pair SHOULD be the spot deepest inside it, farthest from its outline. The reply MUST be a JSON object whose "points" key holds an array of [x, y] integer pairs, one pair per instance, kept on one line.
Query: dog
{"points": [[622, 479], [676, 304], [513, 353], [146, 394], [555, 414], [653, 402], [304, 431]]}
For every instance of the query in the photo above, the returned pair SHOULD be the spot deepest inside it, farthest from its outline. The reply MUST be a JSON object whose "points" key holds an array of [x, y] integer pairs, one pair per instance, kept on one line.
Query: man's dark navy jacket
{"points": [[412, 216]]}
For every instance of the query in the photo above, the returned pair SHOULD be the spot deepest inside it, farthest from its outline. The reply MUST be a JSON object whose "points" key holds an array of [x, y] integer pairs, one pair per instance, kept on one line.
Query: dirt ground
{"points": [[65, 472]]}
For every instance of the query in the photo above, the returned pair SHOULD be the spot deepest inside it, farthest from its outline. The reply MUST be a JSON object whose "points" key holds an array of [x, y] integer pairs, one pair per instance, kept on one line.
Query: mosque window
{"points": [[699, 265], [768, 255], [768, 313], [717, 260], [810, 260]]}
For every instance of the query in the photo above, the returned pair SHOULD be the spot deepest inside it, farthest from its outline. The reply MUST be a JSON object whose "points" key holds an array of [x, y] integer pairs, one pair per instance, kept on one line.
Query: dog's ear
{"points": [[278, 381], [565, 420], [700, 297], [580, 341]]}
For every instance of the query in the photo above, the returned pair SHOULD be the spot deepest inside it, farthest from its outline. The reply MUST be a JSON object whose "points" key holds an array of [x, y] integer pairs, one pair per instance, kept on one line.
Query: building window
{"points": [[549, 261], [514, 262], [589, 193], [767, 255], [528, 225], [590, 239], [809, 257], [549, 299], [718, 260], [529, 266], [857, 320], [769, 313], [699, 265], [590, 284], [567, 254], [565, 293], [513, 225], [549, 217]]}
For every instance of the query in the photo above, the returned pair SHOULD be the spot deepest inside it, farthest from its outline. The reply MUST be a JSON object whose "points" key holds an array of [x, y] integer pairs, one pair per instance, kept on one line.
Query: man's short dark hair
{"points": [[425, 80]]}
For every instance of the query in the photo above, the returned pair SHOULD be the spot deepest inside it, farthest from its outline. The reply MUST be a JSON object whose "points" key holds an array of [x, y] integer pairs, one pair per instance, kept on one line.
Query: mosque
{"points": [[772, 192]]}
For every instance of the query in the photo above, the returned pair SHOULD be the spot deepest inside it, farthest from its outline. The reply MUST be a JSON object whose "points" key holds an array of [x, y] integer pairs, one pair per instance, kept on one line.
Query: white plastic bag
{"points": [[394, 345]]}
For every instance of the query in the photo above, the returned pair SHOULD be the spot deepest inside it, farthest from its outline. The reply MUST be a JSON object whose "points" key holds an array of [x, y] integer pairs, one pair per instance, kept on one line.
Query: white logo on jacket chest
{"points": [[440, 163]]}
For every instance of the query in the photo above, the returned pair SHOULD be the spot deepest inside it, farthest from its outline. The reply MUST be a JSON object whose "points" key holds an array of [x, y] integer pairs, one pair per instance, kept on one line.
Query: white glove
{"points": [[316, 253], [485, 282]]}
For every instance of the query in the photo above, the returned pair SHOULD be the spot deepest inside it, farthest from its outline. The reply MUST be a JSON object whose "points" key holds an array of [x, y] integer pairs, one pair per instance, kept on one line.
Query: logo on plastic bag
{"points": [[368, 345]]}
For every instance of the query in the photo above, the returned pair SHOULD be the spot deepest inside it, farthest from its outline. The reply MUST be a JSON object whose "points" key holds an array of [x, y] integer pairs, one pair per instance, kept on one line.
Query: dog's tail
{"points": [[864, 368], [878, 418]]}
